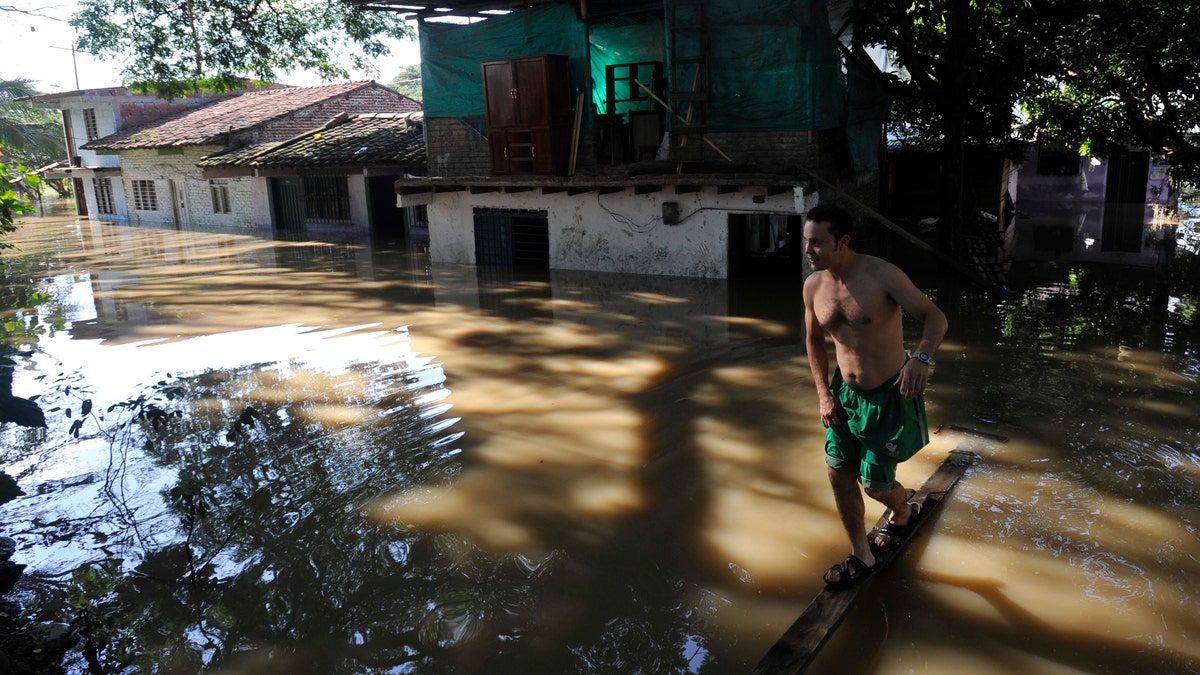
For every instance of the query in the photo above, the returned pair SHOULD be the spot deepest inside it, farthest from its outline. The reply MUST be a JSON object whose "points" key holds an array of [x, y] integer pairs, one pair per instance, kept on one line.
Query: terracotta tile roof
{"points": [[211, 124], [375, 139]]}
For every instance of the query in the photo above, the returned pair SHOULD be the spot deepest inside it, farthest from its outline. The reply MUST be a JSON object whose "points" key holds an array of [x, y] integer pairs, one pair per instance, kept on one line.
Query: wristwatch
{"points": [[922, 357]]}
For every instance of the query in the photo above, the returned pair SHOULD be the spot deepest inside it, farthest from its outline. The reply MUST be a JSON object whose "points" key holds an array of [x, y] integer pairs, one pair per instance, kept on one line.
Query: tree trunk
{"points": [[953, 64]]}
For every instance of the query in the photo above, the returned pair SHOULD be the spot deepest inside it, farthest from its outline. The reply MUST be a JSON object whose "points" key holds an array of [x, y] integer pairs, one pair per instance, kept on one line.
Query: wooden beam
{"points": [[646, 189], [799, 646], [517, 188], [484, 189]]}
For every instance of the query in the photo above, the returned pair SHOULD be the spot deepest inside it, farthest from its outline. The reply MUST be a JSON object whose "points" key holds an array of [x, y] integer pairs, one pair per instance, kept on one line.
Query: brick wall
{"points": [[181, 170], [455, 149], [770, 151], [135, 113]]}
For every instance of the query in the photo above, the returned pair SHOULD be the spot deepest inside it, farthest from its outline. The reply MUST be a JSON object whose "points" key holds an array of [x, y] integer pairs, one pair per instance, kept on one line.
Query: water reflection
{"points": [[449, 469]]}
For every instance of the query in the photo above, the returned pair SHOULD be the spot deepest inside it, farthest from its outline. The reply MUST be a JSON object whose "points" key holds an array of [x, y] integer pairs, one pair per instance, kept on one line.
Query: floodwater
{"points": [[323, 456]]}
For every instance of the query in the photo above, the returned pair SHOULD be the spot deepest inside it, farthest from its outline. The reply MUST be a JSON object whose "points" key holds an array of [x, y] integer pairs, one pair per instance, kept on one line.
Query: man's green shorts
{"points": [[883, 430]]}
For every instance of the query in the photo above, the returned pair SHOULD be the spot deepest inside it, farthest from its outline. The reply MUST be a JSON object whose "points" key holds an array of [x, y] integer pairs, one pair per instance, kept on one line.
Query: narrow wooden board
{"points": [[799, 646]]}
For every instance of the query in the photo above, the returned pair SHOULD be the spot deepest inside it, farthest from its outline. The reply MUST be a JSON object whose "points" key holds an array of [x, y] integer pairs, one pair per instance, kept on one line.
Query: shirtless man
{"points": [[874, 408]]}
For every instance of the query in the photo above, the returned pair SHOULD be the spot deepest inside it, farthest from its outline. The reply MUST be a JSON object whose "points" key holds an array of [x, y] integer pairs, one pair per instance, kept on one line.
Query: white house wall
{"points": [[106, 123], [618, 232], [181, 168], [356, 187], [261, 199], [118, 194]]}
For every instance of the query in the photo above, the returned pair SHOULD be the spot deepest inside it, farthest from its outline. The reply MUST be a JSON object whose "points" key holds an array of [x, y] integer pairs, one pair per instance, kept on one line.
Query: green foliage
{"points": [[13, 203], [1128, 75], [90, 597], [1103, 75], [28, 135], [170, 48], [408, 81], [965, 65], [27, 310]]}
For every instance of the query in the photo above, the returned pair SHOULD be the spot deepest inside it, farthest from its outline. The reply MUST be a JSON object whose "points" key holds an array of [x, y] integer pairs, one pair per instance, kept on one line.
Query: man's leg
{"points": [[851, 509], [896, 499]]}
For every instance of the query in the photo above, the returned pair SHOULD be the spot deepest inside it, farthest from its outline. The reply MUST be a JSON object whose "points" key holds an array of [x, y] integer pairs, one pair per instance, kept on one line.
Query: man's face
{"points": [[819, 245]]}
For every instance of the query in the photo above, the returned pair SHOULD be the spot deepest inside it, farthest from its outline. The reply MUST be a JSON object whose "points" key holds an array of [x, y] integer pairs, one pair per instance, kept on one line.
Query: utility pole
{"points": [[74, 63]]}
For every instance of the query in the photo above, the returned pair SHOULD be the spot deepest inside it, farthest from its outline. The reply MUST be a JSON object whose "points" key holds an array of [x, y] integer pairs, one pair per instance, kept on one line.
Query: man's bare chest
{"points": [[844, 311]]}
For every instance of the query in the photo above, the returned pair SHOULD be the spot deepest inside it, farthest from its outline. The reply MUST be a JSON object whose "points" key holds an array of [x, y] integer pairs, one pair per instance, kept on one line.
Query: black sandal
{"points": [[893, 534], [849, 570]]}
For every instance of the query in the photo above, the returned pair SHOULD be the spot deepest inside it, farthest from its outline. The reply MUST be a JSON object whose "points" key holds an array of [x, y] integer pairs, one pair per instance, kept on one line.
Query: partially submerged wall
{"points": [[618, 232]]}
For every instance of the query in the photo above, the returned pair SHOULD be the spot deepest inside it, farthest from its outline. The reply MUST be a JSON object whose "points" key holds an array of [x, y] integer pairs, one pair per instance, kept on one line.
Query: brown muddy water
{"points": [[320, 456]]}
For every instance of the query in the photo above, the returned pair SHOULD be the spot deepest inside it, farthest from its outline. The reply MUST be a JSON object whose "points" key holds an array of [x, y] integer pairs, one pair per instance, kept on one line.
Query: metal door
{"points": [[287, 203]]}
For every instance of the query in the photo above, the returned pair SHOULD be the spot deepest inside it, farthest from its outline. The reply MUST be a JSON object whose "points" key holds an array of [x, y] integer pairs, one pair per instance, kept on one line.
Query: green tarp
{"points": [[773, 65], [450, 54]]}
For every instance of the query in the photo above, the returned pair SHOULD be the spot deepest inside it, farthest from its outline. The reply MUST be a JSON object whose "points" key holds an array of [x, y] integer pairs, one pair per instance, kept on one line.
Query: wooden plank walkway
{"points": [[799, 646]]}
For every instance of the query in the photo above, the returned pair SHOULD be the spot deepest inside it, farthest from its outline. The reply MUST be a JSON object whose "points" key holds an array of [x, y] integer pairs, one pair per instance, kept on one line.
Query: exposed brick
{"points": [[456, 149]]}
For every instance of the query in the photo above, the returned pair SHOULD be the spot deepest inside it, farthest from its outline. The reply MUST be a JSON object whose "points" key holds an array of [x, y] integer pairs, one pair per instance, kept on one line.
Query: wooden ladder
{"points": [[687, 28]]}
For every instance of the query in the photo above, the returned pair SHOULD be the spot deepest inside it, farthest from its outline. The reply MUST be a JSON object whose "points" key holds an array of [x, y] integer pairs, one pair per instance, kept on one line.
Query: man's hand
{"points": [[832, 413], [913, 377]]}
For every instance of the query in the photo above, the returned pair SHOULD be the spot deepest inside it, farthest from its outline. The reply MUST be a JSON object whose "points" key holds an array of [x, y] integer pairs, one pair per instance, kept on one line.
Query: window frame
{"points": [[218, 192], [90, 129], [105, 203], [326, 198], [145, 194]]}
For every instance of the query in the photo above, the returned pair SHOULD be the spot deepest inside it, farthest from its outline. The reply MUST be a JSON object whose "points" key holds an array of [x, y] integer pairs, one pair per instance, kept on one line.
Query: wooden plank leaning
{"points": [[801, 643]]}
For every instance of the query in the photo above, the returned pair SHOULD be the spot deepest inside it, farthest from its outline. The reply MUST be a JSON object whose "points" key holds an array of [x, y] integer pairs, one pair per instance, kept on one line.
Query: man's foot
{"points": [[891, 535], [850, 569]]}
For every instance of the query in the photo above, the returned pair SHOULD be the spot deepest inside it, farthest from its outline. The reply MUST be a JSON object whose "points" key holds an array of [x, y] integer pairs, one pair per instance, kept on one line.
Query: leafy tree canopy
{"points": [[1100, 75], [173, 47], [28, 136], [408, 82], [964, 64], [1129, 75]]}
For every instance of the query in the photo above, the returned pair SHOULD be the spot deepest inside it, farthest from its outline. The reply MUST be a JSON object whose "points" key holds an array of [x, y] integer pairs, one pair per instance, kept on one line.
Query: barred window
{"points": [[326, 199], [89, 124], [104, 196], [144, 196], [220, 196]]}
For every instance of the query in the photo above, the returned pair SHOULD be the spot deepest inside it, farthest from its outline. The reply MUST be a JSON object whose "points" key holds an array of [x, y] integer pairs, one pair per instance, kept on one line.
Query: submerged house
{"points": [[340, 173], [91, 114], [677, 137], [159, 180], [1077, 207]]}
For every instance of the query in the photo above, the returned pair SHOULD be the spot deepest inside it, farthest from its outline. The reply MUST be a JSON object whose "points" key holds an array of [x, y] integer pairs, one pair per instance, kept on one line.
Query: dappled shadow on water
{"points": [[455, 469]]}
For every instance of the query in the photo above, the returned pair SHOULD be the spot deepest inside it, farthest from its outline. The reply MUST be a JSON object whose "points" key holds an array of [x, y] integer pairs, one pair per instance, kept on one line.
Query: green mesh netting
{"points": [[773, 65], [631, 39], [868, 104], [450, 54]]}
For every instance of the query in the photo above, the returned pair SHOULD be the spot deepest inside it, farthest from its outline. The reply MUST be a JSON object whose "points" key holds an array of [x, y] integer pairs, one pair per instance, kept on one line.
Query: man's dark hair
{"points": [[841, 223]]}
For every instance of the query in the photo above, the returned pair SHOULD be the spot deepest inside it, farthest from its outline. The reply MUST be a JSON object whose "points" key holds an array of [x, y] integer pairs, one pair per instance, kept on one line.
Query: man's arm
{"points": [[914, 375], [818, 359]]}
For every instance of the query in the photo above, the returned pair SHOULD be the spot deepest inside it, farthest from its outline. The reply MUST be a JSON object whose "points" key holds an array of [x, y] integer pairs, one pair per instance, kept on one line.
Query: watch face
{"points": [[922, 357]]}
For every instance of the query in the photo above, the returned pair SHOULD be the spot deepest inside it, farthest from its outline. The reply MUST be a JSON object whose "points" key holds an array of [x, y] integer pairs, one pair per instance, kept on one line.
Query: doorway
{"points": [[180, 201], [287, 203], [512, 238], [765, 246]]}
